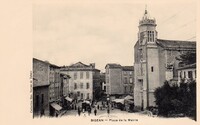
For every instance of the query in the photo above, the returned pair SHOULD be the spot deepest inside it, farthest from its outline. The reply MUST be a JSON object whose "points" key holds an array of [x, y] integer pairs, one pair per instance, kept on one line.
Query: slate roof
{"points": [[113, 65], [79, 66], [176, 44], [190, 66], [128, 68], [47, 62]]}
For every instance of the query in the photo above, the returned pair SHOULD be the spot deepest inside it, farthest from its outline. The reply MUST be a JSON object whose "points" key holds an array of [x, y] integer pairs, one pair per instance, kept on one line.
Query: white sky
{"points": [[103, 32]]}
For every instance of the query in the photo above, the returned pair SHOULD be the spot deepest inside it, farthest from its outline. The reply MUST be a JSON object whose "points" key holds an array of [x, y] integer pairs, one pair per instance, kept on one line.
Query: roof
{"points": [[190, 66], [176, 44], [47, 62], [113, 65], [128, 68], [54, 66], [147, 19], [35, 59], [79, 66]]}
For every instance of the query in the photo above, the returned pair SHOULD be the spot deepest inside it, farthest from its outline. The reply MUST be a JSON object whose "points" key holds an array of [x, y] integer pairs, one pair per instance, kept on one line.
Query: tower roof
{"points": [[147, 19]]}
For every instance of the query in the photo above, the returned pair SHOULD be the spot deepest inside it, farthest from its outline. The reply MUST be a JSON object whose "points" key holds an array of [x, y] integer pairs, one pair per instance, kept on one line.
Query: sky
{"points": [[104, 32]]}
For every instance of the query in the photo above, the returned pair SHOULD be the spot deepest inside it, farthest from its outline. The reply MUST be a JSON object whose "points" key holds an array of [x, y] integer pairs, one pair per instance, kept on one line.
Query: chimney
{"points": [[92, 65]]}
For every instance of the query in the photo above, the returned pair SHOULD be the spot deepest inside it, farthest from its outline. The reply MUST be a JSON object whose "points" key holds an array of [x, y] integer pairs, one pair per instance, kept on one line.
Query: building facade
{"points": [[49, 88], [119, 79], [83, 79], [40, 88], [154, 61], [127, 79], [103, 81], [187, 73], [55, 84]]}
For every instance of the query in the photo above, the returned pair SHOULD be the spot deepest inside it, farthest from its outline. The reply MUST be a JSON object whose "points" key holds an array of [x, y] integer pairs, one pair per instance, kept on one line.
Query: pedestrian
{"points": [[101, 108], [98, 107], [89, 111], [95, 111], [84, 112], [79, 111], [75, 107], [108, 111]]}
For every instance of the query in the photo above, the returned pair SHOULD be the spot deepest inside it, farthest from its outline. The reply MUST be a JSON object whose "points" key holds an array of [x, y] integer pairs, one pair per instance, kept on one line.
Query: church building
{"points": [[155, 61]]}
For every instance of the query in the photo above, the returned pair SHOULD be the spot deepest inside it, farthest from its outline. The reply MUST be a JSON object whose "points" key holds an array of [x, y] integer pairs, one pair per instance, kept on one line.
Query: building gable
{"points": [[78, 65]]}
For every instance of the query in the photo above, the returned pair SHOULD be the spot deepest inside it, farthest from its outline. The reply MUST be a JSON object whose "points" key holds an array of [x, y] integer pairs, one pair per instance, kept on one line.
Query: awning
{"points": [[119, 101], [68, 99], [128, 97], [56, 106], [86, 102], [130, 101]]}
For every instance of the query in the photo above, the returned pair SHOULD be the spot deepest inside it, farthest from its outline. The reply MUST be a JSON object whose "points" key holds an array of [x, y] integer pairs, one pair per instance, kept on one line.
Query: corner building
{"points": [[119, 79], [154, 61], [84, 79]]}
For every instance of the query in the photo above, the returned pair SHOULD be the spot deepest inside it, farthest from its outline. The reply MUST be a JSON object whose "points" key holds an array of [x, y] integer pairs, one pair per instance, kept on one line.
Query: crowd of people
{"points": [[88, 108]]}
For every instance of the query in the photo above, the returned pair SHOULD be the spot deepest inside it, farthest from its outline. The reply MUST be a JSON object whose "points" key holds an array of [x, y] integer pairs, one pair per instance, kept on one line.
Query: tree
{"points": [[164, 95], [174, 99], [187, 58]]}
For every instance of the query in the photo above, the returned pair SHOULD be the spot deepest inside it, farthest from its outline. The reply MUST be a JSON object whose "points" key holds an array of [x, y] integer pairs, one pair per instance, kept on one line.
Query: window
{"points": [[81, 95], [78, 93], [181, 74], [75, 75], [81, 85], [125, 89], [180, 64], [87, 75], [150, 37], [130, 73], [104, 88], [81, 75], [75, 86], [190, 74], [131, 88], [152, 69], [131, 80], [125, 80], [87, 86], [125, 73], [184, 74], [88, 95]]}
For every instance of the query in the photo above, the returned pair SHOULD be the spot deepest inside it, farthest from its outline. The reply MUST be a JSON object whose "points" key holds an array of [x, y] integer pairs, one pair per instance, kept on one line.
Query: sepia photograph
{"points": [[99, 62], [107, 59]]}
